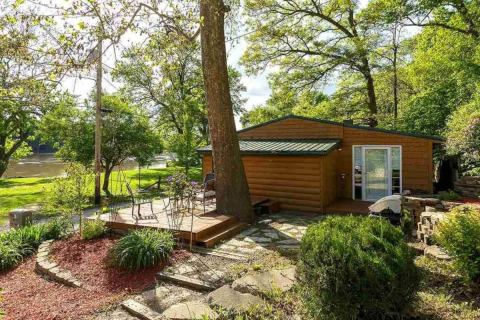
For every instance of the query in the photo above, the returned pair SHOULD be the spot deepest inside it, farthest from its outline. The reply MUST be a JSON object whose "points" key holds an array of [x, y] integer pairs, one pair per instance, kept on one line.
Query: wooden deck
{"points": [[208, 228], [347, 206]]}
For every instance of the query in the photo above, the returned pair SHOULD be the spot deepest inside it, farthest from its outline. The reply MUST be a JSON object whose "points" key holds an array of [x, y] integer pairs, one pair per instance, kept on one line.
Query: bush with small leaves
{"points": [[459, 235], [356, 268], [142, 248], [93, 229]]}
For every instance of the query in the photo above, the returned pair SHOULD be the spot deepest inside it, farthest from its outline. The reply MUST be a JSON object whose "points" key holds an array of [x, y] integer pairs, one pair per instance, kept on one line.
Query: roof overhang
{"points": [[283, 146]]}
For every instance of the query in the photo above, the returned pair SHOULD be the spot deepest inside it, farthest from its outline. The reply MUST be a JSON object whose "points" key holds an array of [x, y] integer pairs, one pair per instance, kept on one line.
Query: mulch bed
{"points": [[26, 295]]}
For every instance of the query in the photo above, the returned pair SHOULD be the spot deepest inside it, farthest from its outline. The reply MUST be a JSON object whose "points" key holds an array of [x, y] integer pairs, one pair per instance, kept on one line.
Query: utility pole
{"points": [[98, 121]]}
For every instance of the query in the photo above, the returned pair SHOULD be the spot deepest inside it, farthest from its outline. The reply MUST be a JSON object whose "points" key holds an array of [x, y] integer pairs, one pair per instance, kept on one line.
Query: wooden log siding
{"points": [[417, 153], [295, 181], [310, 183]]}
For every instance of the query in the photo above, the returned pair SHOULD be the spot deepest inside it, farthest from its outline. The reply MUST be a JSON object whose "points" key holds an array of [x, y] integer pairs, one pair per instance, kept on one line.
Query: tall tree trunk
{"points": [[98, 122], [3, 166], [372, 98], [106, 179], [230, 182]]}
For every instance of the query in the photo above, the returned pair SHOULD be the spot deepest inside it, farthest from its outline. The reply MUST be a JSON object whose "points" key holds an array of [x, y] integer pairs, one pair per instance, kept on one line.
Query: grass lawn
{"points": [[19, 192]]}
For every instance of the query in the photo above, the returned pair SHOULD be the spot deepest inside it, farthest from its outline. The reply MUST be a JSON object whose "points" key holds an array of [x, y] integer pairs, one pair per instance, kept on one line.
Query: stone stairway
{"points": [[180, 301]]}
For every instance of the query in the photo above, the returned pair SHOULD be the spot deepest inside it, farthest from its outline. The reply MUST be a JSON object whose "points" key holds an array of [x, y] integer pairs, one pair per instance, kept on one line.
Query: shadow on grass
{"points": [[21, 182]]}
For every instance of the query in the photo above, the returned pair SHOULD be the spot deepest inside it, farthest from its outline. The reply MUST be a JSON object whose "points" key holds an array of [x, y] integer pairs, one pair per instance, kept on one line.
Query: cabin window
{"points": [[377, 171]]}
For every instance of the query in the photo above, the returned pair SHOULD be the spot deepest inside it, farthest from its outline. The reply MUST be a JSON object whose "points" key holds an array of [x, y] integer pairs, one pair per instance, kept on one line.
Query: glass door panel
{"points": [[376, 173]]}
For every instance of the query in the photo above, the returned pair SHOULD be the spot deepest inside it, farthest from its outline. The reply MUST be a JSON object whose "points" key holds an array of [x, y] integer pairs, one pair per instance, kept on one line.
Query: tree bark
{"points": [[98, 123], [106, 179], [231, 186], [372, 98]]}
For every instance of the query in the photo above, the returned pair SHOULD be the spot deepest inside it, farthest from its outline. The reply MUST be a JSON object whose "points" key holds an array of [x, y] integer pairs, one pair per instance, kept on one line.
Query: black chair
{"points": [[206, 194], [137, 201]]}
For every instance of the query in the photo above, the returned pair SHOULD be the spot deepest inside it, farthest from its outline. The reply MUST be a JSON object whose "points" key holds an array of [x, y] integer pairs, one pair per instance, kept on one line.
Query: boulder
{"points": [[229, 299], [189, 310], [264, 282]]}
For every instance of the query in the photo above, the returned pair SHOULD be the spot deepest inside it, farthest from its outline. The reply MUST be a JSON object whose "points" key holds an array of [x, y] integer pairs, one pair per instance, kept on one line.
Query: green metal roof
{"points": [[284, 146]]}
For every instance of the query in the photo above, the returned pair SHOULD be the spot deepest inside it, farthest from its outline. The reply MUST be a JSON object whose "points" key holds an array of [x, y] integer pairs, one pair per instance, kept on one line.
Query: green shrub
{"points": [[449, 195], [17, 244], [459, 234], [93, 229], [142, 248], [356, 268]]}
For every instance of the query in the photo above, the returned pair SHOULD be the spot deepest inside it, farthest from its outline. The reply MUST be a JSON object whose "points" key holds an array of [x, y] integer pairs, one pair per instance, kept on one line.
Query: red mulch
{"points": [[26, 295], [470, 200]]}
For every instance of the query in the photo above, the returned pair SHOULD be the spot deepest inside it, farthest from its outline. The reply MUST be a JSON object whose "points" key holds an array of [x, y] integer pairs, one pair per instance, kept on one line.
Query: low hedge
{"points": [[356, 268], [17, 244], [142, 248], [459, 235]]}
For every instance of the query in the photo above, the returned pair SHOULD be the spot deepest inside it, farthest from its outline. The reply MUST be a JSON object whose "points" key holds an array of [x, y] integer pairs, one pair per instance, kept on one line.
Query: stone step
{"points": [[185, 281], [229, 299], [189, 310], [221, 253], [140, 311]]}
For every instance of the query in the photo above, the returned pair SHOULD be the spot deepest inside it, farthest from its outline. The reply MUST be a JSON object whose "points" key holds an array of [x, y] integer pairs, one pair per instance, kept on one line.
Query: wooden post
{"points": [[98, 122]]}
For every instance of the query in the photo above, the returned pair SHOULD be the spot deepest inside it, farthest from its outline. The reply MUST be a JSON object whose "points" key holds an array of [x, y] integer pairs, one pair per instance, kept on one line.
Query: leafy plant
{"points": [[356, 268], [459, 234], [93, 229], [70, 194], [142, 248], [449, 195], [17, 244]]}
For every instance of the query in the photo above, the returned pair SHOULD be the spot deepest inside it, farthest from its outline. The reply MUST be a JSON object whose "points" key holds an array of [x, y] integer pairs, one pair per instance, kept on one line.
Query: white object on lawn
{"points": [[393, 203]]}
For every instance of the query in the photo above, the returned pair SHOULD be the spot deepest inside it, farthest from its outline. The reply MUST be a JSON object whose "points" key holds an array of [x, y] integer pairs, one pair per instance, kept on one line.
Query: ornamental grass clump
{"points": [[142, 248], [459, 235], [356, 268]]}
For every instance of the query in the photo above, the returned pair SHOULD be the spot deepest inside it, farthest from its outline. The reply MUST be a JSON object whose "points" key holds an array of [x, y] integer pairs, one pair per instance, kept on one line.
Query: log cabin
{"points": [[307, 164]]}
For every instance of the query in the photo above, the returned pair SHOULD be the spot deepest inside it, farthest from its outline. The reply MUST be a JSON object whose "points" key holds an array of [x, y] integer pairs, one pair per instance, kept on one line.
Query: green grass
{"points": [[20, 192]]}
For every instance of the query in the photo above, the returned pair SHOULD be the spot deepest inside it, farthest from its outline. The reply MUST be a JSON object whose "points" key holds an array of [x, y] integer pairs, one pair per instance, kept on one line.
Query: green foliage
{"points": [[17, 244], [142, 248], [463, 134], [165, 76], [459, 234], [127, 132], [356, 268], [93, 229], [407, 223], [449, 195], [70, 194]]}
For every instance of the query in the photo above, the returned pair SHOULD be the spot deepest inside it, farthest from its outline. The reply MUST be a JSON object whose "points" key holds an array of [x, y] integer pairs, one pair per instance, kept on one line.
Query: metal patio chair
{"points": [[206, 195], [137, 201]]}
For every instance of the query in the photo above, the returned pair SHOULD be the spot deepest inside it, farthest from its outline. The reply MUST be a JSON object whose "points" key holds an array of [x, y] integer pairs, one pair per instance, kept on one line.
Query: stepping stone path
{"points": [[177, 301], [279, 231], [189, 310], [265, 282], [230, 299], [49, 268], [437, 253]]}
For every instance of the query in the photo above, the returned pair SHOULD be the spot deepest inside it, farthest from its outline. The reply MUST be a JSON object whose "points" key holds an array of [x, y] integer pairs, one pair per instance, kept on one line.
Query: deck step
{"points": [[213, 230], [222, 235]]}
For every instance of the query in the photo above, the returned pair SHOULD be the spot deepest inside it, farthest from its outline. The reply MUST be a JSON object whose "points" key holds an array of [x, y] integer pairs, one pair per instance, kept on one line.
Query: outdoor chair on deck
{"points": [[206, 195], [137, 201]]}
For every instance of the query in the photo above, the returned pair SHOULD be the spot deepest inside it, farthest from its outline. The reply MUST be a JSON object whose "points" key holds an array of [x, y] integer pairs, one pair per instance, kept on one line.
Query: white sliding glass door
{"points": [[376, 182], [376, 172]]}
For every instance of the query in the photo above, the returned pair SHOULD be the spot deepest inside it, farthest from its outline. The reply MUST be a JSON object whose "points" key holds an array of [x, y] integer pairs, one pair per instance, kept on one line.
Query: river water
{"points": [[46, 165]]}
